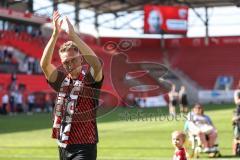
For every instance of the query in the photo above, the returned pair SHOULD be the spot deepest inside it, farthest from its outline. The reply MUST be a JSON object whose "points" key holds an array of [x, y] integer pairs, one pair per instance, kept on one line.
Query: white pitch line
{"points": [[99, 158], [27, 157], [150, 158], [132, 158]]}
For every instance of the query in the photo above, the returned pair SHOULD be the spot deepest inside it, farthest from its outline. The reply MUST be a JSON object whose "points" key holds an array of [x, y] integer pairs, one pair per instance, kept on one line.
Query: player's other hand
{"points": [[56, 23], [70, 30]]}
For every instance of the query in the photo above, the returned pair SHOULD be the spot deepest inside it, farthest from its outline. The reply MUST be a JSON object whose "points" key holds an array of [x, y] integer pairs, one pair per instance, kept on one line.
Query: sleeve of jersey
{"points": [[57, 84], [95, 84], [98, 84]]}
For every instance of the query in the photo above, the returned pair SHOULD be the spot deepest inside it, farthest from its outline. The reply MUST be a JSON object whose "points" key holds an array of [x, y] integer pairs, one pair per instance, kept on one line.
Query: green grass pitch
{"points": [[124, 134]]}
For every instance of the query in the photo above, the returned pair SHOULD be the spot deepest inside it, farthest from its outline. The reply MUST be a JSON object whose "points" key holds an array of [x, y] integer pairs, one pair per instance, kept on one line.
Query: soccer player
{"points": [[178, 139], [78, 90]]}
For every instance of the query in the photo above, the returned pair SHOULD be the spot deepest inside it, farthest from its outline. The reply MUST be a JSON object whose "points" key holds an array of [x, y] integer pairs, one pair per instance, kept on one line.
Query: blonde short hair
{"points": [[69, 45], [180, 133]]}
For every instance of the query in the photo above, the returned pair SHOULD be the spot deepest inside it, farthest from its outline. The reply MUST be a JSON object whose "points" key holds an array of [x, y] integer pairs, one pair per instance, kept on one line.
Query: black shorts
{"points": [[174, 103], [78, 152], [184, 101]]}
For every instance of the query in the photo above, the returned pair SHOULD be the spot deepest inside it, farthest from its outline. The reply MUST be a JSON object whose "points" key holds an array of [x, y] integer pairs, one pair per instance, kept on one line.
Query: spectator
{"points": [[6, 56], [173, 100], [201, 125], [31, 61], [5, 100], [13, 77], [13, 86], [19, 102], [183, 101], [31, 103], [23, 66], [1, 56], [12, 102], [48, 103]]}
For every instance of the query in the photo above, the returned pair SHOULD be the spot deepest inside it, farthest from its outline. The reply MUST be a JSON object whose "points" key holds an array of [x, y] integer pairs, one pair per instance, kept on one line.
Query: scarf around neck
{"points": [[66, 103]]}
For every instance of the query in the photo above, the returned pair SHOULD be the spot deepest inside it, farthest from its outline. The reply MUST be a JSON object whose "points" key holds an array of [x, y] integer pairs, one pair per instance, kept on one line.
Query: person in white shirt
{"points": [[201, 125], [31, 102], [19, 102], [5, 100]]}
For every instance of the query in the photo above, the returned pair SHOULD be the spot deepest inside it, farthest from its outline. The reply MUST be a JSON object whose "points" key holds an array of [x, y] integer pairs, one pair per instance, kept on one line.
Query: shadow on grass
{"points": [[212, 107], [129, 114], [222, 157], [23, 122], [229, 156]]}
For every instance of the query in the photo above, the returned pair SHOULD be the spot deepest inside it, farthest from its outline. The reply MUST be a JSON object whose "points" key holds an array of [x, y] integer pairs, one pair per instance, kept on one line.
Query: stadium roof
{"points": [[114, 6], [128, 7]]}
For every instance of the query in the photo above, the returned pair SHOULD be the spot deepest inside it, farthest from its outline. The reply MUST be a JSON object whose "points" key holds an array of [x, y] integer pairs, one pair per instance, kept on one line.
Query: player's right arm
{"points": [[46, 59]]}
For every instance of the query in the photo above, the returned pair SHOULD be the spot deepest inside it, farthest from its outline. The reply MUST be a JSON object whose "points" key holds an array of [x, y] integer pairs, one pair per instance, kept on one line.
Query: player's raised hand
{"points": [[70, 29], [56, 23]]}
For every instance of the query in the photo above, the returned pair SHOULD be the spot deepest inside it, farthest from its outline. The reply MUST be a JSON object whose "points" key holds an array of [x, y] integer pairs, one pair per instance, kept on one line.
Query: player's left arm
{"points": [[87, 53]]}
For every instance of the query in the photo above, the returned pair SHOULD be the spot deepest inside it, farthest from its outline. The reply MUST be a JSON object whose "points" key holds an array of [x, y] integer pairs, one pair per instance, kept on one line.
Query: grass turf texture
{"points": [[126, 133]]}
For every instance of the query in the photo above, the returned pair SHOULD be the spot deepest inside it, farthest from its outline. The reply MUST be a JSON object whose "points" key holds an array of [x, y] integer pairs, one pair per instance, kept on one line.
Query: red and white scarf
{"points": [[67, 100]]}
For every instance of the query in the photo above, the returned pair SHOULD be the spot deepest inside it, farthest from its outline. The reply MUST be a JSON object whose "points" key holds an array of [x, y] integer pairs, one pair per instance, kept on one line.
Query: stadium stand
{"points": [[211, 61], [205, 64], [33, 46]]}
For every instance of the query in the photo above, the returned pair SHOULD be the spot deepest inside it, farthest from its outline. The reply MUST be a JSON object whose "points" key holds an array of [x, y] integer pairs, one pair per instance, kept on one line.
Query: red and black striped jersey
{"points": [[83, 122]]}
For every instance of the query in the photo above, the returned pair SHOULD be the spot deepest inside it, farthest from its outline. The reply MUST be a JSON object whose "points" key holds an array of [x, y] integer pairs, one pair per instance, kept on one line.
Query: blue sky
{"points": [[223, 21]]}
